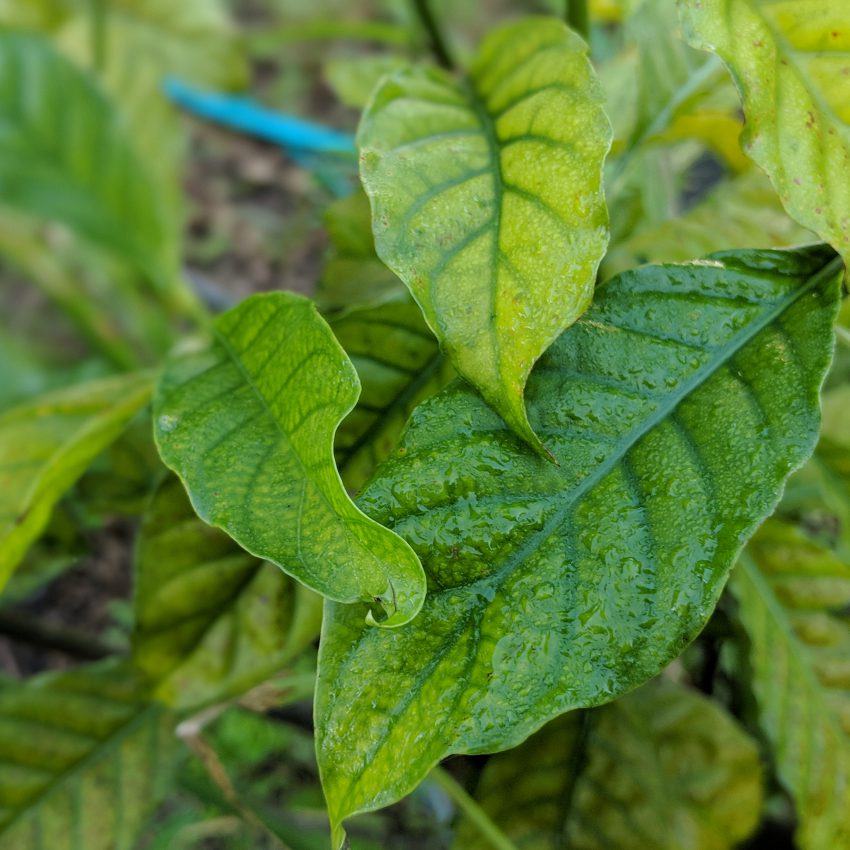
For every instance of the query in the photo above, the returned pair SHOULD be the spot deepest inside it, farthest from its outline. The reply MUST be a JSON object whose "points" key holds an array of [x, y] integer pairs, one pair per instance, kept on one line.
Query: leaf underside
{"points": [[791, 63], [676, 407], [248, 424], [83, 760], [662, 767], [793, 596], [211, 621], [487, 200]]}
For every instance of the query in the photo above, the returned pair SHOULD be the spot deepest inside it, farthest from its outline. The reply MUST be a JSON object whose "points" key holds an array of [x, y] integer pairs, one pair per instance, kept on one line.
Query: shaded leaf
{"points": [[211, 620], [399, 365], [248, 423], [552, 588], [793, 598], [740, 213], [47, 443], [791, 63], [85, 759], [662, 767], [85, 173], [487, 200]]}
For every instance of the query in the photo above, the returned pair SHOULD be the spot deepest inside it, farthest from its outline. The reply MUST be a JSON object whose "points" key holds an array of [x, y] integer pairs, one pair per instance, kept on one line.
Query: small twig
{"points": [[438, 43], [473, 812]]}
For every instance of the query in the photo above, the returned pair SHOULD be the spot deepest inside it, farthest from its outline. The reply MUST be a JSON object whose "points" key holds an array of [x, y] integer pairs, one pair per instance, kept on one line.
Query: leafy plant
{"points": [[500, 472]]}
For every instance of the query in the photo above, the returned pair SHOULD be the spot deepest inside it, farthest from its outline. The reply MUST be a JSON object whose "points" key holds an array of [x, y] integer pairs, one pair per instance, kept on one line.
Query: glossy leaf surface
{"points": [[84, 759], [248, 423], [662, 767], [47, 443], [552, 588], [791, 63], [487, 200], [793, 597], [399, 364], [211, 620], [83, 173]]}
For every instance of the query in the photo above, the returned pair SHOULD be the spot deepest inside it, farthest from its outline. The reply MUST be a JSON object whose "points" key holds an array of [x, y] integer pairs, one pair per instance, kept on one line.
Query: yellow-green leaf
{"points": [[661, 768], [248, 423], [47, 443], [791, 63], [487, 200]]}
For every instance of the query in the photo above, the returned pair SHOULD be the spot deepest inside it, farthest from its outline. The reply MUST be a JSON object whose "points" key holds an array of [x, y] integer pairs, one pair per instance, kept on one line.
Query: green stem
{"points": [[98, 33], [843, 335], [438, 43], [473, 812], [578, 18]]}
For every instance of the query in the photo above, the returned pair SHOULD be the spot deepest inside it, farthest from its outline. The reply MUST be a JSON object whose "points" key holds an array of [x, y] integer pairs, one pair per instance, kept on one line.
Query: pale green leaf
{"points": [[399, 365], [487, 200], [740, 213], [661, 768], [47, 443], [85, 172], [248, 423], [556, 587], [791, 63], [793, 597], [84, 760], [211, 621], [353, 78]]}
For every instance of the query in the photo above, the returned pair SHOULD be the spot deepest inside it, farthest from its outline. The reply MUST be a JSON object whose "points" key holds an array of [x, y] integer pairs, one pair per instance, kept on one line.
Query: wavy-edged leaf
{"points": [[248, 423], [740, 213], [487, 200], [676, 407], [84, 759], [211, 621], [793, 597], [399, 364], [66, 155], [662, 767], [47, 443], [791, 63]]}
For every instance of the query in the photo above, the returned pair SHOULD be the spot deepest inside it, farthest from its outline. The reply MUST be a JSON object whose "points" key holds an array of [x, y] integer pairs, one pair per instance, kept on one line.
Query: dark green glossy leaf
{"points": [[791, 63], [661, 768], [793, 597], [84, 759], [83, 173], [211, 620], [248, 423], [487, 200], [676, 407], [47, 443], [399, 365]]}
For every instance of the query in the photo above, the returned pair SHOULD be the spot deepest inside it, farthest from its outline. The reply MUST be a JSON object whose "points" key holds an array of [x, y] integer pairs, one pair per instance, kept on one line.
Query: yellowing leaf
{"points": [[487, 200], [791, 63]]}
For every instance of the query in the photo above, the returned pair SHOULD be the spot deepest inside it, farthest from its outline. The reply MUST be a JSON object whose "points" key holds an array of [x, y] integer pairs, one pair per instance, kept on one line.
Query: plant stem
{"points": [[438, 44], [843, 335], [578, 17], [98, 33], [474, 813]]}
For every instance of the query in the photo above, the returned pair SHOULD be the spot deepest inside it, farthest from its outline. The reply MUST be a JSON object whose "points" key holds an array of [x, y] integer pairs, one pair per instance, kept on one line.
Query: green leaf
{"points": [[793, 598], [790, 63], [487, 200], [47, 443], [211, 620], [740, 213], [248, 423], [662, 767], [84, 174], [85, 759], [552, 588], [399, 365], [353, 78]]}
